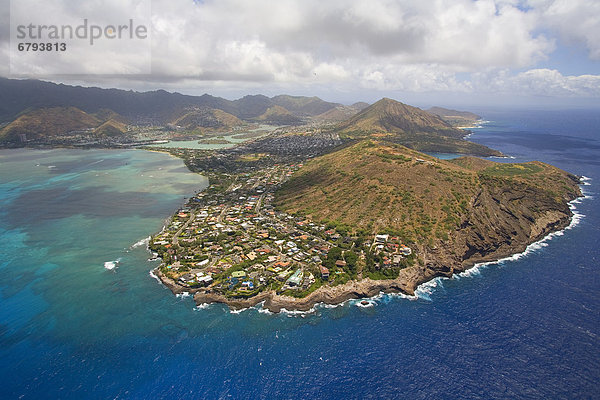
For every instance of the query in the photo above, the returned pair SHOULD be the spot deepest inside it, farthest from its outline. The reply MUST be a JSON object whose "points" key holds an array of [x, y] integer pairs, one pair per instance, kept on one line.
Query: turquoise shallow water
{"points": [[67, 212], [69, 328]]}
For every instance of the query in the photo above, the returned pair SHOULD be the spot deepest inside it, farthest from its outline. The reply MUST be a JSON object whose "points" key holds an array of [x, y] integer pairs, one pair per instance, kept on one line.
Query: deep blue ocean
{"points": [[72, 329]]}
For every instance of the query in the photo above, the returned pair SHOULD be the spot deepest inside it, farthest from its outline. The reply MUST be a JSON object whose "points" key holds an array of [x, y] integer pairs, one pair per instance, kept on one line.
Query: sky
{"points": [[446, 52]]}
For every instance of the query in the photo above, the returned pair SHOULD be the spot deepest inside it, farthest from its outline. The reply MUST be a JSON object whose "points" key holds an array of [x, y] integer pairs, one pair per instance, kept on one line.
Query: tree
{"points": [[351, 259], [333, 255]]}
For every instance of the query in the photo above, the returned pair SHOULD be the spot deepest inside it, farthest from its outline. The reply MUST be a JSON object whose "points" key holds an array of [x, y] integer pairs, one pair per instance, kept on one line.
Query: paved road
{"points": [[175, 240]]}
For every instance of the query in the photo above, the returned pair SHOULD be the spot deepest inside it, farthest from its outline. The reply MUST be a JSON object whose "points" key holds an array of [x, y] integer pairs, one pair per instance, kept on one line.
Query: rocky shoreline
{"points": [[407, 281]]}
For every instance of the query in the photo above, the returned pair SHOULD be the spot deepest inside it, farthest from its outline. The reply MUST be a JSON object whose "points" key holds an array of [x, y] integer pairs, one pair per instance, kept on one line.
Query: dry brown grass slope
{"points": [[206, 120], [49, 122], [469, 207], [391, 116], [411, 127]]}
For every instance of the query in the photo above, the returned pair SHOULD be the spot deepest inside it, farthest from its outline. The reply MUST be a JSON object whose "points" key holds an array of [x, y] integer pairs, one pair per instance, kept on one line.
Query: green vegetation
{"points": [[512, 169]]}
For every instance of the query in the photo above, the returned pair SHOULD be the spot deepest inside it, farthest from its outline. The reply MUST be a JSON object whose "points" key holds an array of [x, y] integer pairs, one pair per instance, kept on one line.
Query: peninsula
{"points": [[310, 201], [351, 211]]}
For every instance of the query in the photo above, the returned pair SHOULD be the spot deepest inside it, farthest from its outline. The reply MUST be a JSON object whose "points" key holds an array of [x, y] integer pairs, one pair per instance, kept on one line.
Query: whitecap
{"points": [[585, 180], [111, 265], [260, 307], [263, 310], [400, 295], [183, 295], [325, 305], [292, 313], [476, 270]]}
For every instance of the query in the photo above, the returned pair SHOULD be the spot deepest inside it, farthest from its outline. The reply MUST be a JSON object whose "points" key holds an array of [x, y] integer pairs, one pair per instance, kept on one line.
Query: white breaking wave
{"points": [[426, 289], [183, 295], [111, 265], [291, 313], [386, 297], [241, 310], [142, 242], [263, 310], [153, 275]]}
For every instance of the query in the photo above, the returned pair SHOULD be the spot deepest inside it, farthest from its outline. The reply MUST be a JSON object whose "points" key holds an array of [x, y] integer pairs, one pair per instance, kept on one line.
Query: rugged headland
{"points": [[330, 202], [372, 216]]}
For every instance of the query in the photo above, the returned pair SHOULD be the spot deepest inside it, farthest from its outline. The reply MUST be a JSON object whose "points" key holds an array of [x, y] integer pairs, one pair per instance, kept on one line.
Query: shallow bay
{"points": [[70, 328]]}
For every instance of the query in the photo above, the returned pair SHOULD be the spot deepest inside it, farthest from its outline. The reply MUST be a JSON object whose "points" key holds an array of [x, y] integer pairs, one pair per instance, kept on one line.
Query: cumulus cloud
{"points": [[401, 45], [539, 82], [461, 34], [82, 27], [418, 46], [552, 83], [576, 21]]}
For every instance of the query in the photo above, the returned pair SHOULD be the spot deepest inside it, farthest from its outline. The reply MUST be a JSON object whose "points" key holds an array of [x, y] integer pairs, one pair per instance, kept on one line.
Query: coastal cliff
{"points": [[372, 215], [453, 215], [504, 235]]}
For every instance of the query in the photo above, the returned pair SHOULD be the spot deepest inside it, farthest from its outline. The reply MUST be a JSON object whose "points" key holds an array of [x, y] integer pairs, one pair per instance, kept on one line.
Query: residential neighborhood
{"points": [[230, 239]]}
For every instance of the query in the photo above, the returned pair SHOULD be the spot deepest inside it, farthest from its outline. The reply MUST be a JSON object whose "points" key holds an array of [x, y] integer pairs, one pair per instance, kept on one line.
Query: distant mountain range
{"points": [[36, 109], [17, 96]]}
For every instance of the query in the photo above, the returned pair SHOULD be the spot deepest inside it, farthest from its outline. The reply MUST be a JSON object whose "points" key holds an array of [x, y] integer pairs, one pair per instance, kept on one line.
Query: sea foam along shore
{"points": [[475, 125], [141, 242], [366, 288], [424, 290]]}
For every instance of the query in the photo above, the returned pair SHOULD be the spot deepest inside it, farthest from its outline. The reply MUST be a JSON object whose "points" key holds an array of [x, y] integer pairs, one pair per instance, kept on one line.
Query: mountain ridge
{"points": [[391, 116], [453, 213], [18, 95], [410, 126], [50, 121]]}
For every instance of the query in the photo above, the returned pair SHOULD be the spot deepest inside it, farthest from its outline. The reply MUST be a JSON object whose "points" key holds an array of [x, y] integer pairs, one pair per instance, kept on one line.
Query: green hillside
{"points": [[277, 115]]}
